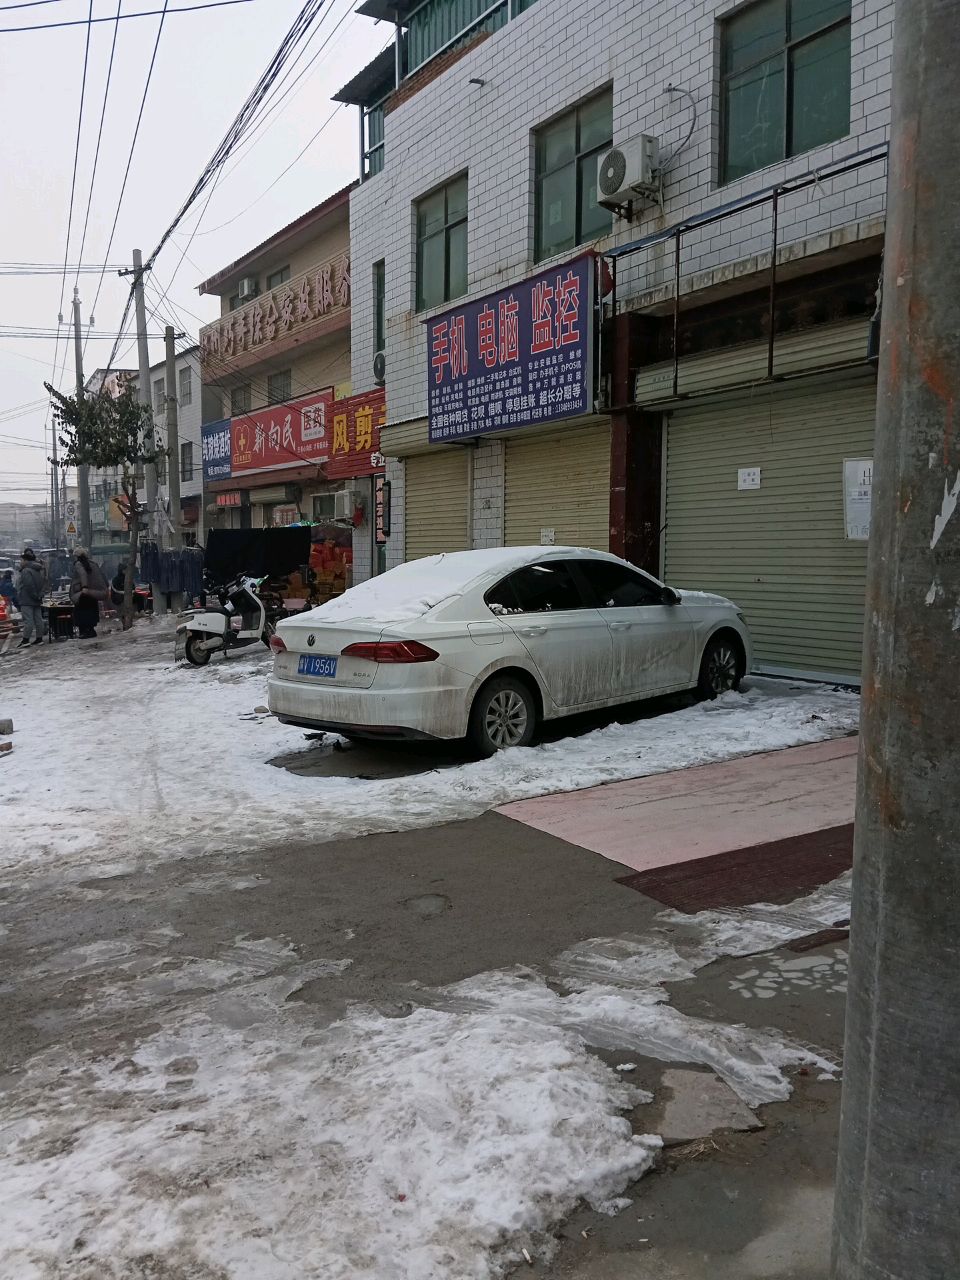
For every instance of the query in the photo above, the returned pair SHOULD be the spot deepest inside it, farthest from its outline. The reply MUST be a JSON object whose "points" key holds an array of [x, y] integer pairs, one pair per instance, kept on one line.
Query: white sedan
{"points": [[487, 644]]}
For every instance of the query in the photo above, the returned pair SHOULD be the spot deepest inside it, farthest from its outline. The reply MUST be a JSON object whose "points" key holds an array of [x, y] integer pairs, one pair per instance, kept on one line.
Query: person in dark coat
{"points": [[88, 587], [33, 579]]}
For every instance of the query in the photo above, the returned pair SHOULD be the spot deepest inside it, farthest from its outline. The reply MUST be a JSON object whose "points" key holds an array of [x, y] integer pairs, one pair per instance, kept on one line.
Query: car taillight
{"points": [[391, 651], [276, 644]]}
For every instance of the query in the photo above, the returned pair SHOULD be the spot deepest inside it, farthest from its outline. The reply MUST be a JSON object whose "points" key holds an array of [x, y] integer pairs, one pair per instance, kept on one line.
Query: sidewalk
{"points": [[418, 1020]]}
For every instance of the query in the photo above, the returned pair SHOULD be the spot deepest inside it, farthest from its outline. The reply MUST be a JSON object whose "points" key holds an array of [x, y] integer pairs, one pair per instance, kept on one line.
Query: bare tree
{"points": [[108, 432]]}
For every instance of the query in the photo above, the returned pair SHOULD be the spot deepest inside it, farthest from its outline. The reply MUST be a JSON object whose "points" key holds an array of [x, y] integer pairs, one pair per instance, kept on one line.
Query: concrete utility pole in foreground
{"points": [[898, 1182], [83, 472]]}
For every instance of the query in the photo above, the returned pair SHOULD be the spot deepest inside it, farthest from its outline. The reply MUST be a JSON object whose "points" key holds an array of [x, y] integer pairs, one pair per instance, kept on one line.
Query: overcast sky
{"points": [[206, 65]]}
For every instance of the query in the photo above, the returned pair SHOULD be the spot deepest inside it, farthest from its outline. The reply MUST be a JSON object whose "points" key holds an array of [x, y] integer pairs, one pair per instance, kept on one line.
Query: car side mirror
{"points": [[669, 596]]}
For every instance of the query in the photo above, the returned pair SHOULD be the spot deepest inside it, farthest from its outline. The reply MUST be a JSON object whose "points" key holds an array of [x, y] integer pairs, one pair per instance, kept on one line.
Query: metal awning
{"points": [[389, 10], [372, 83]]}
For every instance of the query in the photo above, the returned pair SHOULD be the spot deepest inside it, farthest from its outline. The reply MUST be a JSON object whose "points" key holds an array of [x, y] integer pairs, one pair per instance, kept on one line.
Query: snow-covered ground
{"points": [[197, 1117], [122, 756], [245, 1139]]}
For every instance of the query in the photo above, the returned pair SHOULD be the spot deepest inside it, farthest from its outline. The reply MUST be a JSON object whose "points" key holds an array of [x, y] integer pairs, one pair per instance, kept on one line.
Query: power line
{"points": [[96, 156], [73, 192], [259, 132], [126, 173], [146, 13], [241, 123], [56, 268], [281, 174]]}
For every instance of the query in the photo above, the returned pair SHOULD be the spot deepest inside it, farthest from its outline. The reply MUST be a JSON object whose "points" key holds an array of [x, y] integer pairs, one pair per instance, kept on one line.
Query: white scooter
{"points": [[241, 619]]}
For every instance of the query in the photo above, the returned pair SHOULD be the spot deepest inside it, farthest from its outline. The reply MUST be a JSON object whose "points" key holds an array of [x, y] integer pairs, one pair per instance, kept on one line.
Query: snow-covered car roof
{"points": [[412, 589]]}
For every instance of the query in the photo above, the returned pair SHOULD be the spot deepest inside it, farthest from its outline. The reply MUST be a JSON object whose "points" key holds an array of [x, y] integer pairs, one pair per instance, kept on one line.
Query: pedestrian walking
{"points": [[32, 582], [88, 587]]}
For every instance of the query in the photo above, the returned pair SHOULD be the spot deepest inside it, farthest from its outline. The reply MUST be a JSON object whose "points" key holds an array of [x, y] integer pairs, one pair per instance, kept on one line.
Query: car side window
{"points": [[537, 588], [617, 587]]}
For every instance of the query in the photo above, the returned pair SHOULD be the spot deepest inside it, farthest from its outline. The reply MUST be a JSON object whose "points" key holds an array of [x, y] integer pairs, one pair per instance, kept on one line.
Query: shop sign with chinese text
{"points": [[215, 450], [513, 358], [322, 291], [283, 435], [355, 435], [381, 509]]}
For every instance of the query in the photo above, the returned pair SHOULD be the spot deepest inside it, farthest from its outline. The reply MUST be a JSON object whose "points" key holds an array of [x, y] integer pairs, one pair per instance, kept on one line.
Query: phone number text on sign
{"points": [[513, 358]]}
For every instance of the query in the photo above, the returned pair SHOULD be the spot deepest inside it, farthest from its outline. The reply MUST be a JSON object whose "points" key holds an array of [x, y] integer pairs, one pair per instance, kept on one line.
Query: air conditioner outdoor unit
{"points": [[344, 504], [247, 288], [628, 171]]}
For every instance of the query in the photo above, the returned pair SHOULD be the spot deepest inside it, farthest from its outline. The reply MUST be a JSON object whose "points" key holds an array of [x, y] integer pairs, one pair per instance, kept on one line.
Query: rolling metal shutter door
{"points": [[561, 483], [779, 551], [435, 487]]}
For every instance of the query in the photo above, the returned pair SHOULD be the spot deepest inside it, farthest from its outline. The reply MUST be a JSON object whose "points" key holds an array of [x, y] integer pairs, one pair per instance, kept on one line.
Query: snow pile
{"points": [[246, 1139], [153, 760], [412, 589], [393, 1149]]}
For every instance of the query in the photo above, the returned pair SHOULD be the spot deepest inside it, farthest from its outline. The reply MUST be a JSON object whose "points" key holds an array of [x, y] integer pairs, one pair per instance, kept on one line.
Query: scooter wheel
{"points": [[196, 656]]}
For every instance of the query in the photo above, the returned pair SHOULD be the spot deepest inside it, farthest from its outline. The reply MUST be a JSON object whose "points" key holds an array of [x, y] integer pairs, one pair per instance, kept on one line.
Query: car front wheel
{"points": [[504, 715], [721, 668]]}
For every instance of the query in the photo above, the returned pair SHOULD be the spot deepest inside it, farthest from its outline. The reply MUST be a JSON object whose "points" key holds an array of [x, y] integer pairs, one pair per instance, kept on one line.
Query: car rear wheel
{"points": [[504, 714], [721, 668], [196, 656]]}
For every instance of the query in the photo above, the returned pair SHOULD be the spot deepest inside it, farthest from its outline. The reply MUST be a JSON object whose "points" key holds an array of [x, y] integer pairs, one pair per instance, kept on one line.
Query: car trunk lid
{"points": [[314, 653]]}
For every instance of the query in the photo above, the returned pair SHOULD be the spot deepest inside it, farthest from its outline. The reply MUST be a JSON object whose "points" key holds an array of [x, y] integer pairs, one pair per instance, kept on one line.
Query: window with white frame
{"points": [[186, 386]]}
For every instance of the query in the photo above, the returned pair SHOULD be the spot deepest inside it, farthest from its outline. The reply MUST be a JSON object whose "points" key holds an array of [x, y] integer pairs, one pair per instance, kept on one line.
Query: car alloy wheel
{"points": [[722, 665], [505, 719]]}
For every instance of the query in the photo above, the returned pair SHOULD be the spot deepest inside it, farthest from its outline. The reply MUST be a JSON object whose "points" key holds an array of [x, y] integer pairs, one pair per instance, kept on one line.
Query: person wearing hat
{"points": [[32, 582], [88, 587]]}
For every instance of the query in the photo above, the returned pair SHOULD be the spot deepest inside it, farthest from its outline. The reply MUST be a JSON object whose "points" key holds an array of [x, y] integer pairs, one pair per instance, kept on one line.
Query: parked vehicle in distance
{"points": [[488, 644]]}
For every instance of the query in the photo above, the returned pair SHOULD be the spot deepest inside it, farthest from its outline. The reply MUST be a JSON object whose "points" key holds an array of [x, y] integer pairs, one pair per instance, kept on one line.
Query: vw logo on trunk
{"points": [[311, 640]]}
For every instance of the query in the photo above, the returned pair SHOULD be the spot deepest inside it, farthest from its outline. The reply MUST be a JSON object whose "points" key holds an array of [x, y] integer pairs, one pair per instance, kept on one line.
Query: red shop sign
{"points": [[355, 435], [283, 435]]}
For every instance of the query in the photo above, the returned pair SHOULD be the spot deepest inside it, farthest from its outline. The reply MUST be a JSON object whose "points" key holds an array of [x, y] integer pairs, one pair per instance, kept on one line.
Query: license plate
{"points": [[313, 665]]}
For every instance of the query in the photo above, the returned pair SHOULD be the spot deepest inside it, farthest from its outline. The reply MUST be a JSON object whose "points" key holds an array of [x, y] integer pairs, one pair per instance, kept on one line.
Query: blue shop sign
{"points": [[515, 358], [215, 449]]}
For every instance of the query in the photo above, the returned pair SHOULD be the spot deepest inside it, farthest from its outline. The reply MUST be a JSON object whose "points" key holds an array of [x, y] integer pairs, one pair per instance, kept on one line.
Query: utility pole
{"points": [[83, 472], [54, 487], [173, 444], [898, 1177], [150, 468]]}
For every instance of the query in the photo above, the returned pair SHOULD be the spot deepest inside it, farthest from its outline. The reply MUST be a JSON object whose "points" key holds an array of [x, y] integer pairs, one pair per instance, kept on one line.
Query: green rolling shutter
{"points": [[559, 482], [778, 551], [436, 503]]}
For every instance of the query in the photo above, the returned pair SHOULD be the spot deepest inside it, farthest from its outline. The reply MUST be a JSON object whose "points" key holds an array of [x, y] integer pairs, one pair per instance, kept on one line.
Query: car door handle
{"points": [[533, 631], [620, 626]]}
